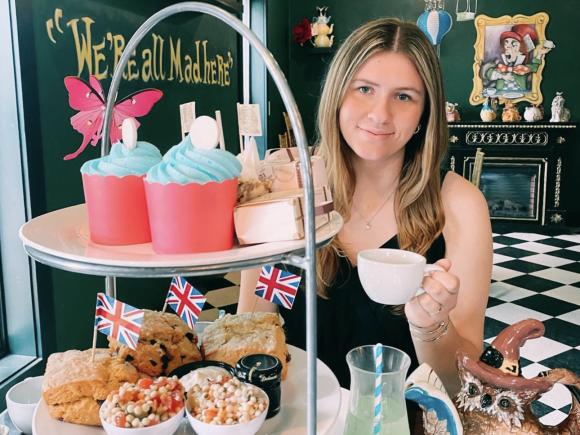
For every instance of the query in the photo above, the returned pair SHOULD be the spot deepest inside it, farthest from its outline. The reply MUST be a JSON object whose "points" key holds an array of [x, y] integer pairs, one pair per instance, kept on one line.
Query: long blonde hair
{"points": [[418, 206]]}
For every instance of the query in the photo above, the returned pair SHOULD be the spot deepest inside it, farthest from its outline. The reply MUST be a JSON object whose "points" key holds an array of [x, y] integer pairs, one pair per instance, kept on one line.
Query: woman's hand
{"points": [[432, 307]]}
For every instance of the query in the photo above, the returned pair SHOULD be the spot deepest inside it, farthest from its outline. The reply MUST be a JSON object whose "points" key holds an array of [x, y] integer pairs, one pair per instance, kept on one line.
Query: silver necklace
{"points": [[368, 221]]}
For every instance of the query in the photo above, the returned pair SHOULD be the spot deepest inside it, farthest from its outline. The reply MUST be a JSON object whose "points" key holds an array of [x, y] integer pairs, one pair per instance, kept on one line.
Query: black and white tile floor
{"points": [[538, 276], [534, 276]]}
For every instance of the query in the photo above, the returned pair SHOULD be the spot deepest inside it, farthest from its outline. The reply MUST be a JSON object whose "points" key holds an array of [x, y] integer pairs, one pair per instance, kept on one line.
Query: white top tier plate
{"points": [[61, 239]]}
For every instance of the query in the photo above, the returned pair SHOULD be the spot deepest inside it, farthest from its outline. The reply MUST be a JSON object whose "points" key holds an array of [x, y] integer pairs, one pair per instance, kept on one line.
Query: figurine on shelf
{"points": [[487, 113], [533, 113], [510, 112], [451, 112], [320, 29], [559, 112]]}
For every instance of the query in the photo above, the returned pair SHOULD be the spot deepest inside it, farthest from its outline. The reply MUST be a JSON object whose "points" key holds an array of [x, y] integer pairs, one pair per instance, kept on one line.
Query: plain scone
{"points": [[74, 387], [234, 336], [165, 343]]}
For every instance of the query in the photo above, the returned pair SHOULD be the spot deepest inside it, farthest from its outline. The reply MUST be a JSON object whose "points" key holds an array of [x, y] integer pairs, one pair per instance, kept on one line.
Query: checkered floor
{"points": [[538, 276], [534, 276]]}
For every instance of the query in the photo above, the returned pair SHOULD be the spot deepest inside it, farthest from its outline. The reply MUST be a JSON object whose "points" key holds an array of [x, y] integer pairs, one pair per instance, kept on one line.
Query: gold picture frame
{"points": [[509, 57]]}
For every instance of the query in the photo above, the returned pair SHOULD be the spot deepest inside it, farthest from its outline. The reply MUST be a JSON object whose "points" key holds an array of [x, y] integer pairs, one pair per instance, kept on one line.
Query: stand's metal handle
{"points": [[309, 261]]}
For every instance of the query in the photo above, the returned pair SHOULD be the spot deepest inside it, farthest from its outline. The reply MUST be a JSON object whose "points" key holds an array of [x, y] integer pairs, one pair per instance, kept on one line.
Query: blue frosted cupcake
{"points": [[191, 196], [115, 195]]}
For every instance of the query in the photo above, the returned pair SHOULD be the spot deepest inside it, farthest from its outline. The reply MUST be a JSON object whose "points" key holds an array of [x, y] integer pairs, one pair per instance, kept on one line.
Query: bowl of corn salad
{"points": [[226, 406], [151, 406]]}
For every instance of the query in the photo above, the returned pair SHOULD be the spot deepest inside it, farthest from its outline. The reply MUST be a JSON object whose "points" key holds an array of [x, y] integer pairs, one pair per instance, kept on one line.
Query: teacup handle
{"points": [[429, 268]]}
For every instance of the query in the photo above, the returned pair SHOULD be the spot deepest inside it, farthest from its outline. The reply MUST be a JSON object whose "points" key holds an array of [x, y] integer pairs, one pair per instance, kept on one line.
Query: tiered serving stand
{"points": [[60, 239]]}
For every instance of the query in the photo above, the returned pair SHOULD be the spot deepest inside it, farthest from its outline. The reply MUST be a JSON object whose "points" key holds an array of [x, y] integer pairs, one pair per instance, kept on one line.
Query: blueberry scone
{"points": [[165, 343]]}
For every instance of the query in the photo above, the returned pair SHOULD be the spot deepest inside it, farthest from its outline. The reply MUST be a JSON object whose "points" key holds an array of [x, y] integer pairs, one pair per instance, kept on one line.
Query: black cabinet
{"points": [[524, 172]]}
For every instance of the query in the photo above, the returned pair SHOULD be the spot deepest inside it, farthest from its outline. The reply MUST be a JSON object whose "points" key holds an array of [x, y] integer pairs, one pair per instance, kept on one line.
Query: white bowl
{"points": [[168, 427], [21, 400], [249, 428]]}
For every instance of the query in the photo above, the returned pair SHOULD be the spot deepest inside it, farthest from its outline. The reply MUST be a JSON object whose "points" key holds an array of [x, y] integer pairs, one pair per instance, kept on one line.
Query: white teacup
{"points": [[21, 400], [392, 276]]}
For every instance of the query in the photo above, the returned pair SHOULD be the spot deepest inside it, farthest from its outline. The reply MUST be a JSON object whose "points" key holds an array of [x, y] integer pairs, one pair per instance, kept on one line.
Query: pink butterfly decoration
{"points": [[89, 100]]}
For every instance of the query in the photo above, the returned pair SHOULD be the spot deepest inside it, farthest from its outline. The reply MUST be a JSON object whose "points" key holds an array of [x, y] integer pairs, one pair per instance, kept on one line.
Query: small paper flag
{"points": [[278, 286], [118, 320], [185, 300]]}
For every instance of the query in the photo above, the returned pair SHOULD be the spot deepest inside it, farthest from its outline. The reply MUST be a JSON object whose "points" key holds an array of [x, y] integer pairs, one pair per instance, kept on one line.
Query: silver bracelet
{"points": [[429, 335]]}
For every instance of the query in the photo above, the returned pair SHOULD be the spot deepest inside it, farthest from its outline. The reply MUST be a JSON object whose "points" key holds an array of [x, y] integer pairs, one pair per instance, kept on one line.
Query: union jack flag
{"points": [[118, 320], [278, 286], [185, 300]]}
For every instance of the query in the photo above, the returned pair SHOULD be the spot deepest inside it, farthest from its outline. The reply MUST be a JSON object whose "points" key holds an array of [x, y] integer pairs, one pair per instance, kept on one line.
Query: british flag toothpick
{"points": [[118, 320], [185, 300], [278, 286]]}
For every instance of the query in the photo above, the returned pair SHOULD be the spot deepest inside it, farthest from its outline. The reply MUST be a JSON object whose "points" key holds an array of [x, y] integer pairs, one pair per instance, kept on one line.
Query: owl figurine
{"points": [[495, 398]]}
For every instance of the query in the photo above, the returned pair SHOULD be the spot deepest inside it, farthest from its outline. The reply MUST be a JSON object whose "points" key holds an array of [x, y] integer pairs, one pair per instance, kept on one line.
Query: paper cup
{"points": [[117, 209], [191, 218]]}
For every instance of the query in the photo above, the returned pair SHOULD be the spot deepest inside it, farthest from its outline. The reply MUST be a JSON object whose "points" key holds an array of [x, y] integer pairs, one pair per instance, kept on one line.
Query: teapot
{"points": [[510, 112], [487, 113], [320, 29], [533, 113], [494, 397]]}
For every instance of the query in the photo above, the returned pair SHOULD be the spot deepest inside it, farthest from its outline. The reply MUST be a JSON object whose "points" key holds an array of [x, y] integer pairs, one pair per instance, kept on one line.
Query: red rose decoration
{"points": [[302, 31]]}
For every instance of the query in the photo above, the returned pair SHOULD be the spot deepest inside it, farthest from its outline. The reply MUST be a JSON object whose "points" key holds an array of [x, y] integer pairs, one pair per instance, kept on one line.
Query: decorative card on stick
{"points": [[218, 119], [117, 320], [185, 300], [187, 116], [249, 121]]}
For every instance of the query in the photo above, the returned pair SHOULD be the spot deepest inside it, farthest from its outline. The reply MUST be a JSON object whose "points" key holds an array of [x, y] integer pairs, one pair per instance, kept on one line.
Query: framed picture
{"points": [[509, 57]]}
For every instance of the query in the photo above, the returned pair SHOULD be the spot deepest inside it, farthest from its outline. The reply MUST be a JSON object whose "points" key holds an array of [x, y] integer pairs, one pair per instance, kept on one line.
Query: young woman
{"points": [[383, 135]]}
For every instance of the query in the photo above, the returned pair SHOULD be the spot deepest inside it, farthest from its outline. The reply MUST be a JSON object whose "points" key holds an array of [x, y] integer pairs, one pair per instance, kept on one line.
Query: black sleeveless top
{"points": [[349, 318]]}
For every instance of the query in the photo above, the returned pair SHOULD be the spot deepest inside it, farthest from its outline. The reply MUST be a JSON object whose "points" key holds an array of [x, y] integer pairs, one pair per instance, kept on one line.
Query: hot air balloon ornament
{"points": [[435, 21]]}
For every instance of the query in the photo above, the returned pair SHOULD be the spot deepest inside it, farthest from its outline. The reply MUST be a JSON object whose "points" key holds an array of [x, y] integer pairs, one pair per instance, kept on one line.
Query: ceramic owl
{"points": [[495, 398]]}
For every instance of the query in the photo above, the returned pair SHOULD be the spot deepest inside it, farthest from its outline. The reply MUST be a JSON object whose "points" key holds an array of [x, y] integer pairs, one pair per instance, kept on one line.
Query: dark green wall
{"points": [[562, 64], [305, 70], [56, 183]]}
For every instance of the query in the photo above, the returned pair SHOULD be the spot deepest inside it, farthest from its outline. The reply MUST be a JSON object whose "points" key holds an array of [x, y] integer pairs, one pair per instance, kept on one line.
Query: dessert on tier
{"points": [[114, 192], [75, 383], [191, 194], [165, 343]]}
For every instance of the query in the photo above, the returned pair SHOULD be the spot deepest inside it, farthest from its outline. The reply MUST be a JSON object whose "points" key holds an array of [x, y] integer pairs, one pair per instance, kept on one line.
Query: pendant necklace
{"points": [[368, 221]]}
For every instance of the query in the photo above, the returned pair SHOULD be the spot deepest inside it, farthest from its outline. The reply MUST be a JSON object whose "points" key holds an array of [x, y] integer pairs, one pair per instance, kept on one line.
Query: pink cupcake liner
{"points": [[191, 218], [117, 209]]}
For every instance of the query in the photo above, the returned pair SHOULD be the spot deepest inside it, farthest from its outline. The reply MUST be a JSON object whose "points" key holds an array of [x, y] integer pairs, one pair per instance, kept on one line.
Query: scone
{"points": [[234, 336], [165, 343], [74, 387]]}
